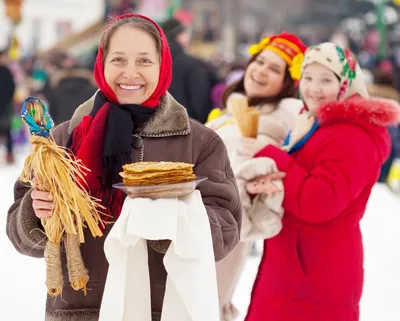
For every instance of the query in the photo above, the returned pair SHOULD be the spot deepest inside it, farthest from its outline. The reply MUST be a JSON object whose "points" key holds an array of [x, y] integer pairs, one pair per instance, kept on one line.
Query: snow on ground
{"points": [[22, 278]]}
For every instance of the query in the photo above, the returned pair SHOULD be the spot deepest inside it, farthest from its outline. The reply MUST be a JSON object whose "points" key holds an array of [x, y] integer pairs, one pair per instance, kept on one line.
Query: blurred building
{"points": [[226, 27], [45, 22]]}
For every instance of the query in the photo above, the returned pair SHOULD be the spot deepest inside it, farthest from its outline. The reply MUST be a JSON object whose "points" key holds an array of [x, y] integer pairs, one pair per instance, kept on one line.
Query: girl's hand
{"points": [[264, 184]]}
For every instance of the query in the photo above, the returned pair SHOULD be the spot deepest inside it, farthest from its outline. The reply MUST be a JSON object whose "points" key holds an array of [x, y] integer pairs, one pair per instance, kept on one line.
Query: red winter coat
{"points": [[313, 269]]}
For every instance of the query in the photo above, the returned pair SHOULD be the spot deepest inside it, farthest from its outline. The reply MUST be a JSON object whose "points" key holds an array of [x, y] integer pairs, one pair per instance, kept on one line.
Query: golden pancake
{"points": [[161, 181], [148, 175], [157, 173], [142, 167]]}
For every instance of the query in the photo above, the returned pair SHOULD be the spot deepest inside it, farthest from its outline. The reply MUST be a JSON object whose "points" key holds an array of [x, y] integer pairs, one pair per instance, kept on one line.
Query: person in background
{"points": [[234, 74], [7, 90], [68, 86], [384, 86], [192, 79], [269, 85]]}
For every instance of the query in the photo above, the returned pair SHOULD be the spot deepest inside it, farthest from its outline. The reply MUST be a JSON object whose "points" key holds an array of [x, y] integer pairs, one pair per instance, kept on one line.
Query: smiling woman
{"points": [[131, 118], [269, 86]]}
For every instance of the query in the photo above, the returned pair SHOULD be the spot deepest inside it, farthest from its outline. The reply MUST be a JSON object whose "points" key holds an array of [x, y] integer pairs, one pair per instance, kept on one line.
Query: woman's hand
{"points": [[264, 184], [42, 201], [249, 147]]}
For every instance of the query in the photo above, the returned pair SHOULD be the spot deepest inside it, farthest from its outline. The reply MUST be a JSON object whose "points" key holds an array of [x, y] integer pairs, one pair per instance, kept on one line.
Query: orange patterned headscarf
{"points": [[286, 45]]}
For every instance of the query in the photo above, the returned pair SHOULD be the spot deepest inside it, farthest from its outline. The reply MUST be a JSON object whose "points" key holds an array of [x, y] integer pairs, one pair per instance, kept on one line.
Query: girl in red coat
{"points": [[313, 269]]}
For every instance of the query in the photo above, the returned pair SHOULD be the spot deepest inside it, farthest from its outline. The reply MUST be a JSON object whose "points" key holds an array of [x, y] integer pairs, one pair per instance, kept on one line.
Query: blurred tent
{"points": [[79, 43]]}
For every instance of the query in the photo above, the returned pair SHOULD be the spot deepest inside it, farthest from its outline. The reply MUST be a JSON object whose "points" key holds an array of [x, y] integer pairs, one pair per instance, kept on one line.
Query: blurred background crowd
{"points": [[48, 49]]}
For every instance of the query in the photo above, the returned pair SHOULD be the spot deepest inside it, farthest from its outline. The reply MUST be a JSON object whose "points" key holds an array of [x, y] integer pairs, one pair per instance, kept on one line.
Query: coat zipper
{"points": [[141, 149]]}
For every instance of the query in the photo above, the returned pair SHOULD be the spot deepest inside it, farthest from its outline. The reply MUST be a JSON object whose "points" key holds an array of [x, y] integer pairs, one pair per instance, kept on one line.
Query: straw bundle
{"points": [[245, 117], [60, 174]]}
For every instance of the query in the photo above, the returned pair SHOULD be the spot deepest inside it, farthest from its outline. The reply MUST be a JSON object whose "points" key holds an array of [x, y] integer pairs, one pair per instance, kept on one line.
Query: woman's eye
{"points": [[118, 60], [259, 62], [326, 81], [145, 61]]}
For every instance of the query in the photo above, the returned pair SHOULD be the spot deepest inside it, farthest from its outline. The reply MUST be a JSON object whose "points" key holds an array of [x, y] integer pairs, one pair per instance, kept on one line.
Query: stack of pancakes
{"points": [[156, 173]]}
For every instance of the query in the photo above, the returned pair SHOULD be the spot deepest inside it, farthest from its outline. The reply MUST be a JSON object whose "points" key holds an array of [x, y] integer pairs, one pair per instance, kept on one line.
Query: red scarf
{"points": [[89, 137]]}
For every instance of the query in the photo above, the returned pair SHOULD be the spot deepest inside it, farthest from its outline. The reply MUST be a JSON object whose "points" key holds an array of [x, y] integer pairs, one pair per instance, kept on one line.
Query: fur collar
{"points": [[361, 111], [170, 119]]}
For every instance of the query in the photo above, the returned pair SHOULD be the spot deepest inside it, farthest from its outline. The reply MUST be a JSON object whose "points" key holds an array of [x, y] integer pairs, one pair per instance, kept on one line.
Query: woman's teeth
{"points": [[128, 87], [258, 81]]}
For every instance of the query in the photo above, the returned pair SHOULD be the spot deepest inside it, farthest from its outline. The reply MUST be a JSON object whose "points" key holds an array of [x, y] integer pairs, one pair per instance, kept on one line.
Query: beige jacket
{"points": [[275, 123], [262, 215]]}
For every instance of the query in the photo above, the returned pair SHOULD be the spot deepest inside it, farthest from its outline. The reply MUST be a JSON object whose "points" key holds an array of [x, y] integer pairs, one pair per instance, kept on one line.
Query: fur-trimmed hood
{"points": [[371, 115], [360, 111]]}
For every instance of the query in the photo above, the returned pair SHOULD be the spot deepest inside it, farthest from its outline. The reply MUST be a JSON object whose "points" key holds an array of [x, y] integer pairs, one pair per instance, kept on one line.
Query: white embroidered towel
{"points": [[191, 289]]}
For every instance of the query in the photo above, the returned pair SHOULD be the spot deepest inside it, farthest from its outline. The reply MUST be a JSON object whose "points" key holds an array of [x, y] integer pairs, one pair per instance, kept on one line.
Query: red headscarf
{"points": [[165, 69]]}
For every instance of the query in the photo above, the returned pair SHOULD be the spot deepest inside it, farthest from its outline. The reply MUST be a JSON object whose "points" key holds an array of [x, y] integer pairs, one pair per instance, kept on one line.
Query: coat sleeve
{"points": [[220, 196], [261, 215], [23, 227], [342, 168]]}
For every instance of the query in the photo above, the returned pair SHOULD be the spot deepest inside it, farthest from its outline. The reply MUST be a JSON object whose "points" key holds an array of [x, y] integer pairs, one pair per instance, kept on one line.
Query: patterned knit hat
{"points": [[343, 63], [286, 45]]}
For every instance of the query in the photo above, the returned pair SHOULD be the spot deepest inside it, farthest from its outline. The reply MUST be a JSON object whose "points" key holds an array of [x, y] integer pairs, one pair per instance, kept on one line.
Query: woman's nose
{"points": [[263, 71], [130, 72], [314, 87]]}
